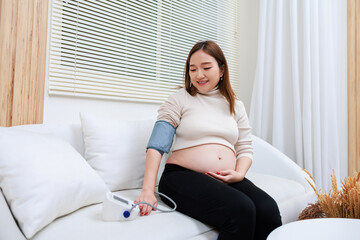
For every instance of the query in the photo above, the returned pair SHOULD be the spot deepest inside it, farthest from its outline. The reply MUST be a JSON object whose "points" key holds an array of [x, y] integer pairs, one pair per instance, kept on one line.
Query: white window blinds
{"points": [[134, 50]]}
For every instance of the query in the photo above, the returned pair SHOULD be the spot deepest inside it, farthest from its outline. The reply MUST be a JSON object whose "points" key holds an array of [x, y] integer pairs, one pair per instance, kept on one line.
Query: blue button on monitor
{"points": [[126, 214]]}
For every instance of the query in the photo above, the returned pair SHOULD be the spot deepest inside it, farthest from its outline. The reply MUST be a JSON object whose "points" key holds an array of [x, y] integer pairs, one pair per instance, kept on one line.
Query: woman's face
{"points": [[204, 71]]}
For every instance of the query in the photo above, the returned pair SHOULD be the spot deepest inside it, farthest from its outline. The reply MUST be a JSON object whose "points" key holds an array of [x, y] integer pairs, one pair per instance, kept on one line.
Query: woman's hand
{"points": [[227, 176], [149, 197]]}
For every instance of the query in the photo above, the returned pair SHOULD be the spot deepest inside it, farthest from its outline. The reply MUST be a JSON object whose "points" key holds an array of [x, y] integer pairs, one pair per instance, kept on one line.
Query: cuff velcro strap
{"points": [[162, 137]]}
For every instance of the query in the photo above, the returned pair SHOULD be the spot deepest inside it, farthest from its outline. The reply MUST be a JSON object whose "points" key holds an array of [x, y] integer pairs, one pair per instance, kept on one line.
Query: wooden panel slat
{"points": [[353, 86], [22, 76], [40, 41]]}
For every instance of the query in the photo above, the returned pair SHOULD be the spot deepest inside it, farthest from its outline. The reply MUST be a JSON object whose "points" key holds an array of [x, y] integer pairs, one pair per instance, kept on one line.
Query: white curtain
{"points": [[295, 100]]}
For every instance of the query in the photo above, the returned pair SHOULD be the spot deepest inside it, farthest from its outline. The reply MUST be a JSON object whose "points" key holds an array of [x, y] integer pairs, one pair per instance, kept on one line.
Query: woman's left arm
{"points": [[243, 149]]}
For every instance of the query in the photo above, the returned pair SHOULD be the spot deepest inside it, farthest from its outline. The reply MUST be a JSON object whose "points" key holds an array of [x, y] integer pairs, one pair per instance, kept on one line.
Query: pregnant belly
{"points": [[204, 158]]}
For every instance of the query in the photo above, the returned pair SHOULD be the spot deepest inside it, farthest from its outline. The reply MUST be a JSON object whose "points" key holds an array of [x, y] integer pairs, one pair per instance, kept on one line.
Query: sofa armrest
{"points": [[269, 160], [8, 226]]}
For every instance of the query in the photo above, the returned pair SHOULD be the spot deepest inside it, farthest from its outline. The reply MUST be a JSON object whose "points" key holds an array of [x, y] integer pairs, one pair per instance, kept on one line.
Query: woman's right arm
{"points": [[169, 114], [152, 163]]}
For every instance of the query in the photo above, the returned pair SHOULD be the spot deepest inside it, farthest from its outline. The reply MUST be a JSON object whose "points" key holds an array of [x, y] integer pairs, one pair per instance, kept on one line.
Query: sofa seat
{"points": [[87, 222]]}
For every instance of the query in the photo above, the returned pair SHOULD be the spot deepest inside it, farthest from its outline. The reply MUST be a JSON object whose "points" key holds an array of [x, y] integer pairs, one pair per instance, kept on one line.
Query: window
{"points": [[133, 50]]}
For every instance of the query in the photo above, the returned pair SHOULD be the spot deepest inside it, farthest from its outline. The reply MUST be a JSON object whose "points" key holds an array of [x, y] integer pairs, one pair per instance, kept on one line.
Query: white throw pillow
{"points": [[43, 177], [116, 149]]}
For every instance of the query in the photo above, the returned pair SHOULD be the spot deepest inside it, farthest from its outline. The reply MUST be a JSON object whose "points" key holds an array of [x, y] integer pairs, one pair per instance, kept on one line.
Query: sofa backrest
{"points": [[71, 133]]}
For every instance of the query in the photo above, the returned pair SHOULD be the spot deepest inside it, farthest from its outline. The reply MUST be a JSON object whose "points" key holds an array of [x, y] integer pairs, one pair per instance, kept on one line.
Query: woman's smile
{"points": [[202, 83]]}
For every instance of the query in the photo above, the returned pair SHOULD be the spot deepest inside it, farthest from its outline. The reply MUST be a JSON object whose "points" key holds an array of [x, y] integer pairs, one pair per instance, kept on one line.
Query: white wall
{"points": [[248, 31], [66, 109]]}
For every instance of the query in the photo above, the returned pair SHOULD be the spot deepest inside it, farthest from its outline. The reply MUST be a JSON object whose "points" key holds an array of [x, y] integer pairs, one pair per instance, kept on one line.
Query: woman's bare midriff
{"points": [[204, 158]]}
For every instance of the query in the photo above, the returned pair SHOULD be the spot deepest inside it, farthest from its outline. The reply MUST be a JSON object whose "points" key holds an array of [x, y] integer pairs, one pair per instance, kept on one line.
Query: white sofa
{"points": [[271, 170]]}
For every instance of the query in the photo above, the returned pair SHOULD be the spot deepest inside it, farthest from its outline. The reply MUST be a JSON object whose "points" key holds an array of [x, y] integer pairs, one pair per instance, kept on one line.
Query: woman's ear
{"points": [[222, 70]]}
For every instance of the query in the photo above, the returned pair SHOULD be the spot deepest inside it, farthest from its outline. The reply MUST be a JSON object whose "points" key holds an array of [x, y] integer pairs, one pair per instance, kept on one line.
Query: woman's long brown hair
{"points": [[211, 48]]}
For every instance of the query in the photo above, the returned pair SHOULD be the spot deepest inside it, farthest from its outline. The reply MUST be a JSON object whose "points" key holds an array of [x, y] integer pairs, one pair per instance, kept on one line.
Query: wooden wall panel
{"points": [[353, 86], [23, 33]]}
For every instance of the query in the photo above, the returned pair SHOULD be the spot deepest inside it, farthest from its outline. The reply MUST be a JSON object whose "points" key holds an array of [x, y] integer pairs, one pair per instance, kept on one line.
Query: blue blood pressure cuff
{"points": [[162, 137]]}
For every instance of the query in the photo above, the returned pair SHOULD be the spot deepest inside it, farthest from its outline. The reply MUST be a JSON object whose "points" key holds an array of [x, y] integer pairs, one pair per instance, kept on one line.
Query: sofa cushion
{"points": [[44, 177], [116, 149]]}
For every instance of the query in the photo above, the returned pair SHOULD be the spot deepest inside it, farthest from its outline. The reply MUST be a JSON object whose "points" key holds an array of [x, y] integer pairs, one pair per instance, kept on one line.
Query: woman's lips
{"points": [[201, 83]]}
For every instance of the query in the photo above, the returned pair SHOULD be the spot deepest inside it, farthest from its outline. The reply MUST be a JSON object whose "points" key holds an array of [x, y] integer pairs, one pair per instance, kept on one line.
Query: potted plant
{"points": [[343, 203]]}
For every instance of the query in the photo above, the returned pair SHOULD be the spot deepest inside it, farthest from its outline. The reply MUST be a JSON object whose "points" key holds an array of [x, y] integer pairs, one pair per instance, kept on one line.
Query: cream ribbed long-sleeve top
{"points": [[206, 118]]}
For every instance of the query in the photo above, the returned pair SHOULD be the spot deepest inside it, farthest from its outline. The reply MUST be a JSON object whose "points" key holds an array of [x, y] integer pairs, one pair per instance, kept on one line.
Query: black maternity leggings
{"points": [[238, 210]]}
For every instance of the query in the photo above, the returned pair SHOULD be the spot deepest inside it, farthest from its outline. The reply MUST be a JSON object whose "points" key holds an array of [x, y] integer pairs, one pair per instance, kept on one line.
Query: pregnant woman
{"points": [[212, 152]]}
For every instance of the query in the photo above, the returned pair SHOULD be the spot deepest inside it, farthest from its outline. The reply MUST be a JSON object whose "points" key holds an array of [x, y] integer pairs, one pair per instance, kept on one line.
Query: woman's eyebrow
{"points": [[201, 63]]}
